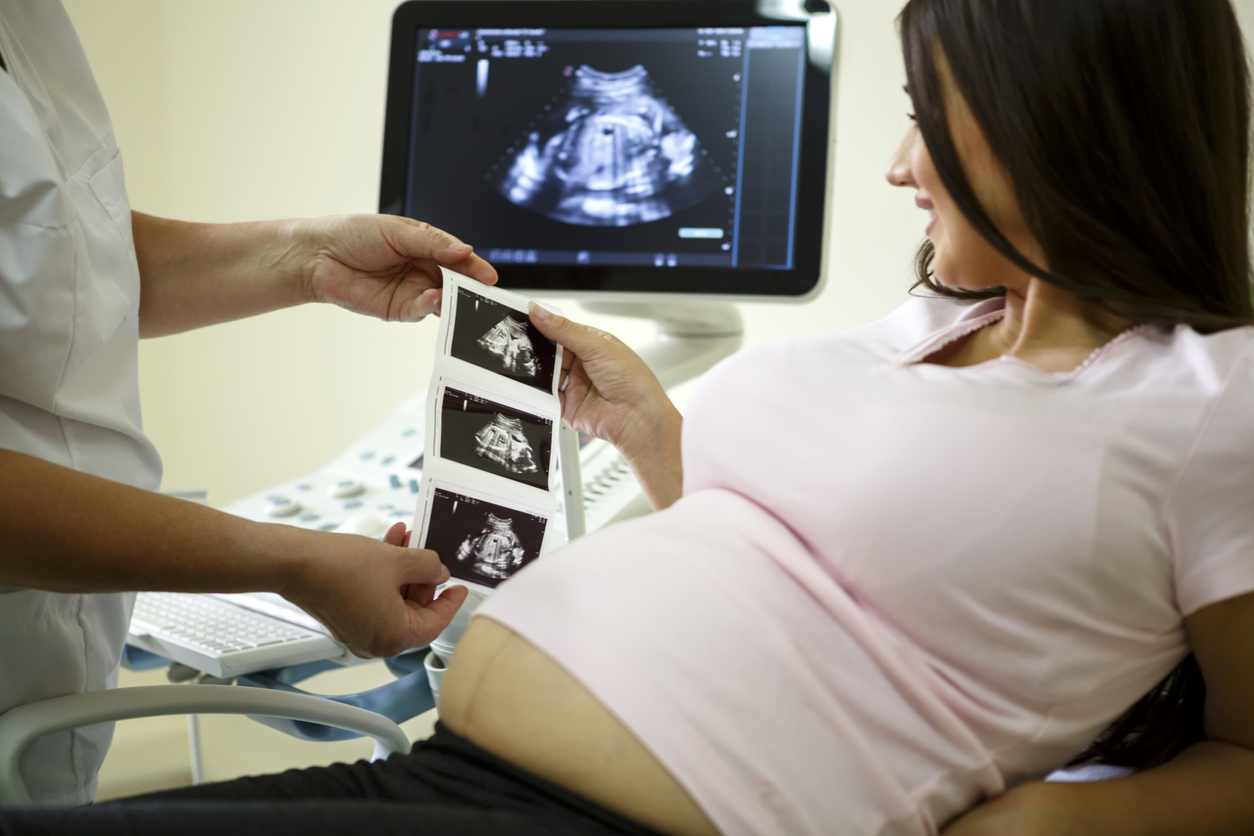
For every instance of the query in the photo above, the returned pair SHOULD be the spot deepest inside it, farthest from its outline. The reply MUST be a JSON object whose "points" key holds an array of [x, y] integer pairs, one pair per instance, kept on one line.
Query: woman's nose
{"points": [[899, 172]]}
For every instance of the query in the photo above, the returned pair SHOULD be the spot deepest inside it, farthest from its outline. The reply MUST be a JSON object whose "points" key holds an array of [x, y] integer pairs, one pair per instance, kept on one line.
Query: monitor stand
{"points": [[691, 336]]}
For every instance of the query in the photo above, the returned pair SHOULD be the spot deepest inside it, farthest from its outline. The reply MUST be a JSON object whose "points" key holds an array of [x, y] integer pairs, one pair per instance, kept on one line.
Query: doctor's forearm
{"points": [[194, 275], [65, 531]]}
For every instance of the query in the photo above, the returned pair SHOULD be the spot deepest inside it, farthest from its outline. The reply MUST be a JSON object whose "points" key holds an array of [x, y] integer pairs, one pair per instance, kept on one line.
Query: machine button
{"points": [[387, 460], [351, 504], [308, 518], [413, 486], [366, 455], [394, 481], [281, 506], [365, 525], [345, 488]]}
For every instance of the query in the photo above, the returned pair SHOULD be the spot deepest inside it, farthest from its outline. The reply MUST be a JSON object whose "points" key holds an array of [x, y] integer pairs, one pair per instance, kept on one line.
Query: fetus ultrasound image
{"points": [[611, 152], [495, 438], [480, 541], [500, 339], [601, 145]]}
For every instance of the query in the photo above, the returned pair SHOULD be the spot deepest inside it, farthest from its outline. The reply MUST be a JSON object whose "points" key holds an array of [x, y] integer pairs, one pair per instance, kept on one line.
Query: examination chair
{"points": [[269, 697]]}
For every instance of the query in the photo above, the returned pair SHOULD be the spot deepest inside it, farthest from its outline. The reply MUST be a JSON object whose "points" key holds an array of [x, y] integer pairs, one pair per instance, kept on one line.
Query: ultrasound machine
{"points": [[663, 159]]}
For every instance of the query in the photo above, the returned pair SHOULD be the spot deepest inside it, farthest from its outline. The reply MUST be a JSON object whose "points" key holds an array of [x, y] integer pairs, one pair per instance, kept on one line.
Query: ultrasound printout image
{"points": [[502, 339], [495, 438], [480, 541]]}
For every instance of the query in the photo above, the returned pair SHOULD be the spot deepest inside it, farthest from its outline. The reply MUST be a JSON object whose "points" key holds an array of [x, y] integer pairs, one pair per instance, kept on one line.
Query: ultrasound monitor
{"points": [[647, 151]]}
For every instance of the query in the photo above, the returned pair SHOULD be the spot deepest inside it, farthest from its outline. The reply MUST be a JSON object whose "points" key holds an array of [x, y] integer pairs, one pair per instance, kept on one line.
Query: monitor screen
{"points": [[615, 156]]}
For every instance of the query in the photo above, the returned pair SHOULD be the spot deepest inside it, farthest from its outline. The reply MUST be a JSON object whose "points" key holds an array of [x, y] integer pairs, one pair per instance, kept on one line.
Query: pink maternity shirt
{"points": [[892, 588]]}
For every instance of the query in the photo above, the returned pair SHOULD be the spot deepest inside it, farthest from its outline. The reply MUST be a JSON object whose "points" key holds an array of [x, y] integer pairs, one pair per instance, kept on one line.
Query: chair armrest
{"points": [[25, 723]]}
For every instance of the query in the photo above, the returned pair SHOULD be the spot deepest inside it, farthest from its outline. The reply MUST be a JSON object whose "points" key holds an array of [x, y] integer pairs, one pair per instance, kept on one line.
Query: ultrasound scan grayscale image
{"points": [[508, 340], [608, 152], [495, 551], [502, 440]]}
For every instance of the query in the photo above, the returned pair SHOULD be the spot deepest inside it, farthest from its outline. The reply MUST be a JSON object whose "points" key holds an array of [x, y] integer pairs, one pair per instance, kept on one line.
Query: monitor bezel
{"points": [[800, 282]]}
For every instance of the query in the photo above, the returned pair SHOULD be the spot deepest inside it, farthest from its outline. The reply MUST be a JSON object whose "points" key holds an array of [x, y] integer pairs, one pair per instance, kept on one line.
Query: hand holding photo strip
{"points": [[493, 413]]}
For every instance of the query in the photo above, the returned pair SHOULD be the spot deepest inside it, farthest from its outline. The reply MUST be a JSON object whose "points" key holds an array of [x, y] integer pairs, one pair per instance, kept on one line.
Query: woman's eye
{"points": [[912, 117]]}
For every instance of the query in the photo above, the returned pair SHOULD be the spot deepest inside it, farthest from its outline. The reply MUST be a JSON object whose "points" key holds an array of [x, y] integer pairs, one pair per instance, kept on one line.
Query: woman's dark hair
{"points": [[1124, 127], [1164, 723]]}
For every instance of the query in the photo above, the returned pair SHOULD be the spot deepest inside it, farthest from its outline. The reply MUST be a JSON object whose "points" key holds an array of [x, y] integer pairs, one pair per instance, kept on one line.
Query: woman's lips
{"points": [[925, 204]]}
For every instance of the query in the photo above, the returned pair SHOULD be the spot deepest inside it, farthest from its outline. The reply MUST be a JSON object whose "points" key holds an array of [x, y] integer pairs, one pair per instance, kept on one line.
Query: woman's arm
{"points": [[66, 531], [193, 275], [610, 393], [1208, 790]]}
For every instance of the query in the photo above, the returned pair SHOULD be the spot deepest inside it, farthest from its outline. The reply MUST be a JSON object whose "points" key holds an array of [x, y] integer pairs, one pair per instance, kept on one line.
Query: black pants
{"points": [[445, 787]]}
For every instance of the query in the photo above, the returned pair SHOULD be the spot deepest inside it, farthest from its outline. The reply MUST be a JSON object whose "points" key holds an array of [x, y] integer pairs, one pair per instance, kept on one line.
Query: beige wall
{"points": [[246, 109]]}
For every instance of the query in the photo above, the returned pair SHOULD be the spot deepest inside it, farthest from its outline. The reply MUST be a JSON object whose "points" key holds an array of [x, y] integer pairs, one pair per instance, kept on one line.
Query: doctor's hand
{"points": [[610, 393], [384, 266], [378, 599]]}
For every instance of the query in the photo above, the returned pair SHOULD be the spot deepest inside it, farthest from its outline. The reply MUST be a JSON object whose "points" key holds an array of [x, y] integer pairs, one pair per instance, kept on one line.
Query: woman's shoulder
{"points": [[1207, 511], [1221, 365], [1214, 369], [1227, 352]]}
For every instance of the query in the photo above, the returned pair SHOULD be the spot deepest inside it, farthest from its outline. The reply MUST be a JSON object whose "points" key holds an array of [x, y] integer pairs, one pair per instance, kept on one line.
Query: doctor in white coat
{"points": [[82, 278]]}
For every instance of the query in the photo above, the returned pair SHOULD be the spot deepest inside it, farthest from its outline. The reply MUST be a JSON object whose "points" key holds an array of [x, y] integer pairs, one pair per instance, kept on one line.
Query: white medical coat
{"points": [[69, 392]]}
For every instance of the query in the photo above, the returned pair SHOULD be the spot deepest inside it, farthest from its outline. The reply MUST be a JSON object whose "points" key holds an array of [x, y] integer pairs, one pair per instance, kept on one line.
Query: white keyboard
{"points": [[221, 638]]}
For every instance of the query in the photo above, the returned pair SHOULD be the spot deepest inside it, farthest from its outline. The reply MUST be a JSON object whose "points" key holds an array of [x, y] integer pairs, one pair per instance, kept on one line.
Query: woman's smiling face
{"points": [[963, 258]]}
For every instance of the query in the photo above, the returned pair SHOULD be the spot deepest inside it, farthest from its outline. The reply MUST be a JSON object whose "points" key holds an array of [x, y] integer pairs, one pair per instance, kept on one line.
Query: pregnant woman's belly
{"points": [[504, 695]]}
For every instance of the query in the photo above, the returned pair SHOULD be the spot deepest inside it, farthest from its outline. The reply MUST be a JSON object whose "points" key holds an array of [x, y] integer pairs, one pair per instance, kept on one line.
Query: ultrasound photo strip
{"points": [[493, 413]]}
